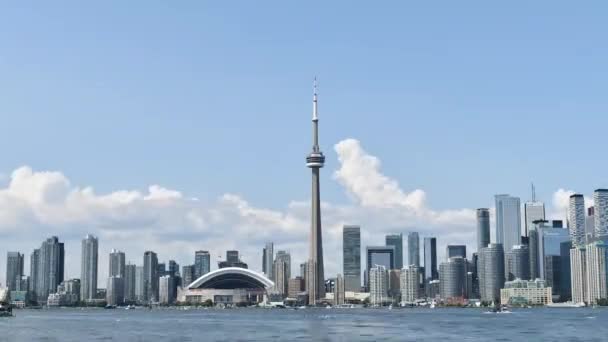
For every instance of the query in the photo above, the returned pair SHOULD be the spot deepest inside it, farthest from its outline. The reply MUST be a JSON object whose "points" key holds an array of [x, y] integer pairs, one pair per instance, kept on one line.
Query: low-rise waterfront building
{"points": [[526, 292]]}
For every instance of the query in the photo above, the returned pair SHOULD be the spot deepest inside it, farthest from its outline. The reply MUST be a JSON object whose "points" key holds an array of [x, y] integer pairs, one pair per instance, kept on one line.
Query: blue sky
{"points": [[460, 99]]}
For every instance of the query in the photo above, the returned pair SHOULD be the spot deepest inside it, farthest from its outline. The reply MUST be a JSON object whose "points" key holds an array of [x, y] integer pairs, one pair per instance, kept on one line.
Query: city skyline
{"points": [[191, 136]]}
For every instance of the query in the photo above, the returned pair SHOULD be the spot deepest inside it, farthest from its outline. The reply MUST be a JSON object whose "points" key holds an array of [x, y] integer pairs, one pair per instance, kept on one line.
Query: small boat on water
{"points": [[566, 305], [5, 303]]}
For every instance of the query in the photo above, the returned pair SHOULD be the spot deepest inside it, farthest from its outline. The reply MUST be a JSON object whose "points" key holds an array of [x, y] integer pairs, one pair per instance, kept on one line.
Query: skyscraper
{"points": [[50, 268], [140, 290], [285, 256], [268, 256], [549, 246], [597, 263], [117, 263], [600, 202], [281, 279], [315, 161], [452, 278], [483, 228], [351, 254], [565, 274], [202, 263], [34, 264], [115, 292], [491, 272], [378, 285], [409, 284], [517, 263], [456, 251], [187, 275], [150, 277], [14, 270], [413, 249], [576, 219], [166, 292], [339, 290], [578, 274], [396, 240], [130, 283], [533, 211], [380, 255], [88, 268], [430, 259], [508, 221]]}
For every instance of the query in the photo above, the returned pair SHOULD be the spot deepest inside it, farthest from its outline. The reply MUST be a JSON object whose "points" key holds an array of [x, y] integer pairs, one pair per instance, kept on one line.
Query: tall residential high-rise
{"points": [[14, 270], [117, 263], [115, 292], [268, 256], [50, 268], [379, 255], [339, 290], [166, 291], [150, 277], [597, 264], [483, 228], [430, 259], [590, 224], [88, 268], [565, 274], [508, 221], [576, 219], [285, 256], [378, 285], [517, 263], [34, 264], [413, 249], [315, 160], [578, 274], [410, 283], [351, 255], [456, 251], [187, 275], [533, 211], [491, 272], [202, 263], [600, 204], [130, 283], [452, 278], [140, 290], [396, 240], [281, 276], [533, 249]]}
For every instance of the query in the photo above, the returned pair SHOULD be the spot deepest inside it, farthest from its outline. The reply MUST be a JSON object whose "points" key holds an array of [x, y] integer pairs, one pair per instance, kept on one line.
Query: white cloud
{"points": [[38, 204]]}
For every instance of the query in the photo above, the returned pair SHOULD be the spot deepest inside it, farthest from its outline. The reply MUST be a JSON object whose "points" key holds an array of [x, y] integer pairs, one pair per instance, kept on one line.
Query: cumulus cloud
{"points": [[37, 204]]}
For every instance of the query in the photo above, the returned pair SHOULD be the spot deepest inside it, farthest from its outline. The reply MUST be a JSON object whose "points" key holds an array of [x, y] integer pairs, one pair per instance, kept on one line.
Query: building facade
{"points": [[339, 290], [351, 254], [452, 278], [378, 285], [50, 268], [526, 292], [508, 221], [413, 249], [150, 277], [578, 274], [517, 263], [115, 291], [453, 251], [600, 205], [483, 228], [88, 268], [597, 262], [130, 283], [14, 270], [430, 259], [117, 263], [202, 263], [533, 211], [491, 272], [396, 240], [576, 219], [410, 284]]}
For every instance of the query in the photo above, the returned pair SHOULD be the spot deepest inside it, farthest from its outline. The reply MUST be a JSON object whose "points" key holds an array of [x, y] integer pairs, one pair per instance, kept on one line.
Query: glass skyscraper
{"points": [[430, 259], [533, 211], [351, 254], [88, 268], [508, 221], [483, 228], [14, 270], [413, 249], [202, 263], [396, 240], [456, 251]]}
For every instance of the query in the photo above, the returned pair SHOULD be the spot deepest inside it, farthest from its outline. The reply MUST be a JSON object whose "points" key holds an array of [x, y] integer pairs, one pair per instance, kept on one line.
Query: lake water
{"points": [[308, 324]]}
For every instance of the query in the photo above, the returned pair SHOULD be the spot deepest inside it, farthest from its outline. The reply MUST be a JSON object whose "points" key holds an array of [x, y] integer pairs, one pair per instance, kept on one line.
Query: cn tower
{"points": [[315, 277]]}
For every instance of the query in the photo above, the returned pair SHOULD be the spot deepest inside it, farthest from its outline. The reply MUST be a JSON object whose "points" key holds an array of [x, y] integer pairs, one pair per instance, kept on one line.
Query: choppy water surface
{"points": [[307, 324]]}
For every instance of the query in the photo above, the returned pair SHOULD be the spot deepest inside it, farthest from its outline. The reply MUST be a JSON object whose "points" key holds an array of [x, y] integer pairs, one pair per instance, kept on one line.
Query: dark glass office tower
{"points": [[430, 258], [396, 240], [351, 254]]}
